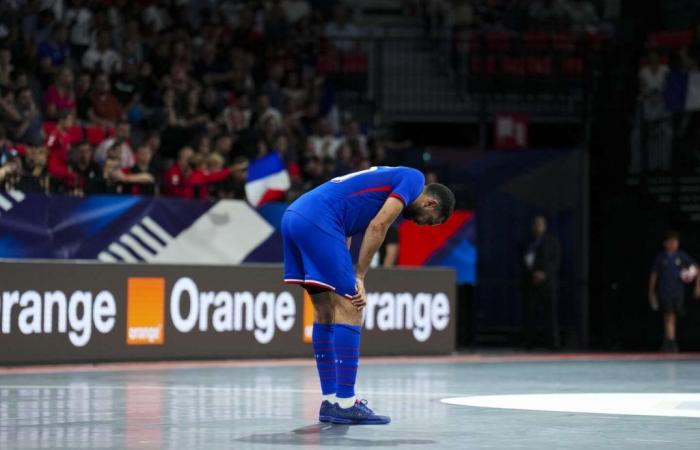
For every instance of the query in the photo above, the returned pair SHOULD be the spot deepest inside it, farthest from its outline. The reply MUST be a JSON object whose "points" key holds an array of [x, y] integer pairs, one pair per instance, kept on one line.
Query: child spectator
{"points": [[671, 270]]}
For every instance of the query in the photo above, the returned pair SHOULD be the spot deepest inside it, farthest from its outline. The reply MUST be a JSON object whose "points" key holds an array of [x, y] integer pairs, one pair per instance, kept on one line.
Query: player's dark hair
{"points": [[445, 198], [671, 234]]}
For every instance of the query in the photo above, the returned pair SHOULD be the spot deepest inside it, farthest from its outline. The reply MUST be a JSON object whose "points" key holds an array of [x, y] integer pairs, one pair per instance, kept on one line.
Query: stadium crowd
{"points": [[139, 96]]}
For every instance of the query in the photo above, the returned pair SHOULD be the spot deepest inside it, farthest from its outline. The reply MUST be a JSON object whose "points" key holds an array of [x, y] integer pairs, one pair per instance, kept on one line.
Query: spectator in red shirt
{"points": [[60, 95], [59, 143], [185, 180], [105, 108]]}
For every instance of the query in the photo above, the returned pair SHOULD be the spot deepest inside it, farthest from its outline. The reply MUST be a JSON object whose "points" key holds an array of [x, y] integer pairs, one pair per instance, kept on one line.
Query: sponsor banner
{"points": [[71, 312]]}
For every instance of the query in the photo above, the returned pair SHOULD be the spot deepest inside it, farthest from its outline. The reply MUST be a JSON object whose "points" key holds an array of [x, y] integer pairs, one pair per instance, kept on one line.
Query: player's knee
{"points": [[345, 312]]}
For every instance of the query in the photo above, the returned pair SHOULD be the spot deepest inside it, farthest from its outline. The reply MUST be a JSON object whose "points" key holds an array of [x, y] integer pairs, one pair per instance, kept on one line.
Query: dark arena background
{"points": [[148, 152]]}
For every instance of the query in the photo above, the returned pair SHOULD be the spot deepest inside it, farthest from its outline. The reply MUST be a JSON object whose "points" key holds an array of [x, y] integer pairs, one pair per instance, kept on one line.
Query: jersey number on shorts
{"points": [[354, 174]]}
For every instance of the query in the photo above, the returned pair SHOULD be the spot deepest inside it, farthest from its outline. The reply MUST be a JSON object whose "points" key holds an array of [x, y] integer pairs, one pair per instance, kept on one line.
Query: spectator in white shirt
{"points": [[120, 139], [341, 31], [79, 20], [102, 57]]}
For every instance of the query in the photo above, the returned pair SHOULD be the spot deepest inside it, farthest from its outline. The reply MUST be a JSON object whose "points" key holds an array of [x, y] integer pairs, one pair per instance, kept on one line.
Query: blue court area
{"points": [[275, 404]]}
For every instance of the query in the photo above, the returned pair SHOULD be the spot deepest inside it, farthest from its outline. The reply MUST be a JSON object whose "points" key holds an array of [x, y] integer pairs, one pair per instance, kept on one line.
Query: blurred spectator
{"points": [[541, 258], [58, 144], [83, 84], [105, 109], [102, 58], [7, 68], [671, 270], [581, 14], [652, 133], [60, 95], [120, 141], [54, 52], [185, 179], [546, 15], [35, 177], [295, 10], [341, 31], [86, 171], [145, 165], [28, 129], [78, 18]]}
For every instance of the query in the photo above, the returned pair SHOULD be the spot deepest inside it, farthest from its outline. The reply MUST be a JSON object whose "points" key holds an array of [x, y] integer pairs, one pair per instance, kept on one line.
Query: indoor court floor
{"points": [[640, 402]]}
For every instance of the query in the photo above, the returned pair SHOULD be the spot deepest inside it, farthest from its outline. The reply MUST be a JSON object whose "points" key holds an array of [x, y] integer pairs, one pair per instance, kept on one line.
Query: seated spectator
{"points": [[116, 180], [54, 52], [60, 95], [102, 58], [86, 171], [59, 143], [223, 144], [105, 109], [120, 140], [35, 176], [144, 165], [185, 180]]}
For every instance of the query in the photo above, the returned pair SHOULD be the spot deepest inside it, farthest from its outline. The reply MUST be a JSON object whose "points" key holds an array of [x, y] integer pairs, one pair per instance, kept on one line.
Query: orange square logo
{"points": [[308, 318], [145, 311]]}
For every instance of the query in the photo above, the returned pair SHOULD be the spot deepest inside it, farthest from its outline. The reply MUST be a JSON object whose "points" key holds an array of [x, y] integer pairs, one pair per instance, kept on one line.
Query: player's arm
{"points": [[372, 240], [375, 233]]}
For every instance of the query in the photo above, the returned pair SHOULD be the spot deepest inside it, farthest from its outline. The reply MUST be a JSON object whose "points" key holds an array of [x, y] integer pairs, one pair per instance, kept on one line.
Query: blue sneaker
{"points": [[326, 411], [358, 414]]}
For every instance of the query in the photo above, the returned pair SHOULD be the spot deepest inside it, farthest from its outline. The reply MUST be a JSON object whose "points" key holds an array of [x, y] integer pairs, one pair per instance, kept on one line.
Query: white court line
{"points": [[191, 388]]}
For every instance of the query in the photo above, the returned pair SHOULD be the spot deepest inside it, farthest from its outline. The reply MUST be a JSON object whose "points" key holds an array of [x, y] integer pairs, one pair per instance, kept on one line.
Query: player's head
{"points": [[433, 207], [672, 241]]}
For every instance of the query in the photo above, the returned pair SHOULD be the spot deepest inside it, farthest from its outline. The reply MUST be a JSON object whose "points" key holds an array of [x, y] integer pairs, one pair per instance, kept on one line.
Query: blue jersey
{"points": [[344, 206]]}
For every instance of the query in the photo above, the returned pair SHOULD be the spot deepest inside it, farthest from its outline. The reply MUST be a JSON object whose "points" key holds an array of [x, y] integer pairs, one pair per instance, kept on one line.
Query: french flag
{"points": [[268, 180], [683, 91]]}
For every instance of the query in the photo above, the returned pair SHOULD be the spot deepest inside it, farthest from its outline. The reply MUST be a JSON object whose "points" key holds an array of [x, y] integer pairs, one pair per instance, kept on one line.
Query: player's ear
{"points": [[431, 203]]}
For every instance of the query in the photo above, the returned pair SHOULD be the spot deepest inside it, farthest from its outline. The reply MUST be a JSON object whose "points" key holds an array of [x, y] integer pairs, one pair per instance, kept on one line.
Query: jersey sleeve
{"points": [[408, 185]]}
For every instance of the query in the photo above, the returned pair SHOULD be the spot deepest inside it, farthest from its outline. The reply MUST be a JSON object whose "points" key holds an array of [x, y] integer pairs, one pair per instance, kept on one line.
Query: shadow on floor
{"points": [[327, 434]]}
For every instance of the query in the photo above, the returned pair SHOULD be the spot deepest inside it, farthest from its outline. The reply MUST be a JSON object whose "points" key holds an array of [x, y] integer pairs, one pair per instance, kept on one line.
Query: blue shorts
{"points": [[313, 257]]}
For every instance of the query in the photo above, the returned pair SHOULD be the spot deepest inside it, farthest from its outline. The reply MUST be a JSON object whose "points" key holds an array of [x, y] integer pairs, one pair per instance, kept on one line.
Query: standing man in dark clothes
{"points": [[672, 269], [541, 258]]}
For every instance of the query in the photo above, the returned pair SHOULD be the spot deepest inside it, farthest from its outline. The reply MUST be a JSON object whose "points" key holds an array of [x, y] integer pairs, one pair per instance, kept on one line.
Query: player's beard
{"points": [[411, 212]]}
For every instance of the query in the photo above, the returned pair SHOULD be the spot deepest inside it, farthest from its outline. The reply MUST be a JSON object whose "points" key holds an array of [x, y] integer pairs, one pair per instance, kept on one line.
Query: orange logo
{"points": [[308, 318], [145, 311]]}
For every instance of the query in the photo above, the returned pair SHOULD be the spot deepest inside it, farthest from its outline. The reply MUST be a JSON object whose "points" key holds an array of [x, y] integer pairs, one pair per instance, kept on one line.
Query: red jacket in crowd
{"points": [[191, 185], [58, 143]]}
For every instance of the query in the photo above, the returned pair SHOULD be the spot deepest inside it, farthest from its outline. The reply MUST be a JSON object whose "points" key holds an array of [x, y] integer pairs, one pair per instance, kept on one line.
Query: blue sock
{"points": [[324, 352], [347, 352]]}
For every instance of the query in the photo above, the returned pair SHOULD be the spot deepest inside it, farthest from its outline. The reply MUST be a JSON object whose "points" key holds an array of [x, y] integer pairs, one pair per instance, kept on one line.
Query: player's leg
{"points": [[323, 343], [670, 332], [348, 326], [295, 232]]}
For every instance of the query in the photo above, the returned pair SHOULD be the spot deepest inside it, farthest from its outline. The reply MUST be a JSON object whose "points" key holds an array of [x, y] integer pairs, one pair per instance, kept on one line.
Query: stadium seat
{"points": [[95, 135], [535, 41], [669, 39]]}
